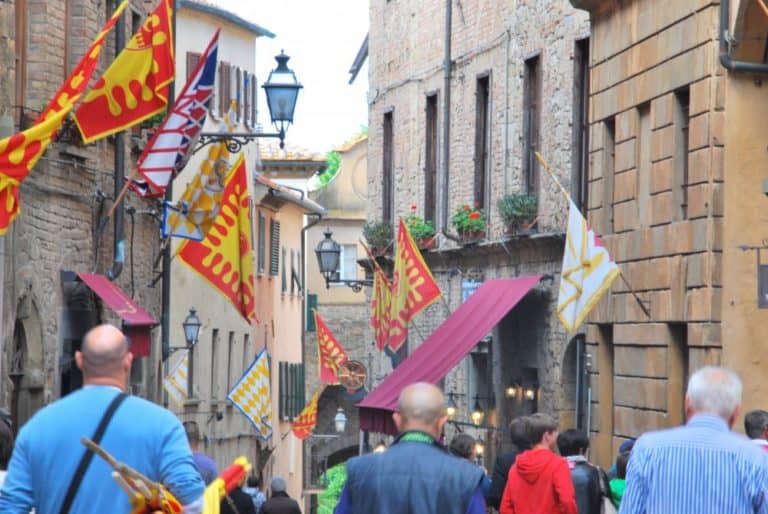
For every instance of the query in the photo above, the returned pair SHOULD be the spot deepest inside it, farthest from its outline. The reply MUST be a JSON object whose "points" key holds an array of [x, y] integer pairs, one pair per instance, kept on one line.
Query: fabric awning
{"points": [[137, 322], [443, 350]]}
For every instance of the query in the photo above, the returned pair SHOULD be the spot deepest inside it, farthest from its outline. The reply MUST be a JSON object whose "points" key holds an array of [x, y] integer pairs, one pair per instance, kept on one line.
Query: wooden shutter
{"points": [[192, 60], [274, 248], [225, 87], [291, 395], [284, 281], [247, 99], [261, 254], [311, 307], [254, 89]]}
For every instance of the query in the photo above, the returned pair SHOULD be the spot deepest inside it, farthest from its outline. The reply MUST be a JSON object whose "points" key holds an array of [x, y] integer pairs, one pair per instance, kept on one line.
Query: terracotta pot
{"points": [[427, 243], [471, 237]]}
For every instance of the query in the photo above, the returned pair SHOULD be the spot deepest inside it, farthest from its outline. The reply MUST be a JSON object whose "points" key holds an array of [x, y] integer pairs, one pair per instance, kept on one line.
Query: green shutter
{"points": [[311, 307]]}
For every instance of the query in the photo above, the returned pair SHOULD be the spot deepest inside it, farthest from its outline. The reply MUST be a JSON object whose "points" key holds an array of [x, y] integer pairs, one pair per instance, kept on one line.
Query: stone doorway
{"points": [[25, 365]]}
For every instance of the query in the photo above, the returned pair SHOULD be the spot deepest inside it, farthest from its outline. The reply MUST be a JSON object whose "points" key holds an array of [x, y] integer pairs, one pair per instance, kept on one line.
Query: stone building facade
{"points": [[63, 201], [515, 69]]}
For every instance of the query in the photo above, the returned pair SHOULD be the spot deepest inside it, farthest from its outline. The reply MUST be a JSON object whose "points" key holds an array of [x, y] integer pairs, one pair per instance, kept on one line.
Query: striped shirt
{"points": [[699, 468]]}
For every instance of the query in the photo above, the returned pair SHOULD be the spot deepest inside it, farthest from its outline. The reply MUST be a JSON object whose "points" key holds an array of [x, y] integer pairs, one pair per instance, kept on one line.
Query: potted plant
{"points": [[379, 236], [469, 222], [423, 232], [519, 212]]}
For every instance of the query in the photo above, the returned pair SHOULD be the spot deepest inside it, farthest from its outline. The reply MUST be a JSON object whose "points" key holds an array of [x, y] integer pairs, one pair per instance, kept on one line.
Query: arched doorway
{"points": [[575, 384], [25, 367]]}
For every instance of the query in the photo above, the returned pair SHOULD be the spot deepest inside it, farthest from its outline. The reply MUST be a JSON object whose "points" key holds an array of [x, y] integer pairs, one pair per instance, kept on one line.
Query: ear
{"points": [[399, 422], [79, 360], [441, 423], [733, 417], [128, 361], [688, 408]]}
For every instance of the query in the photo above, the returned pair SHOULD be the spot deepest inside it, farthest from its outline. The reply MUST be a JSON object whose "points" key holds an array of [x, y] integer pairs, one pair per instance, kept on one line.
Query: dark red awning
{"points": [[137, 321], [443, 350]]}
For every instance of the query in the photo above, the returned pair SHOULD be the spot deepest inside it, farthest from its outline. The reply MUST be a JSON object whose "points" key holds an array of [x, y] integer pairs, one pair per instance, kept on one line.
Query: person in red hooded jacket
{"points": [[540, 481]]}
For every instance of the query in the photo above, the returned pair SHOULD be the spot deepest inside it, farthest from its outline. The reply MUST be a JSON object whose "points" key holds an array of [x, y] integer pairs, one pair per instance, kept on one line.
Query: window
{"points": [[192, 60], [644, 165], [225, 87], [214, 371], [347, 263], [580, 127], [247, 85], [295, 279], [531, 120], [680, 171], [291, 392], [430, 163], [254, 98], [311, 308], [261, 256], [482, 128], [246, 352], [293, 257], [274, 247], [387, 167], [609, 159], [284, 277], [239, 93], [230, 349]]}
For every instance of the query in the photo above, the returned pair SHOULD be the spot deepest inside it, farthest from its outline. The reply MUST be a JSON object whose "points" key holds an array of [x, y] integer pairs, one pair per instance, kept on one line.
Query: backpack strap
{"points": [[87, 457]]}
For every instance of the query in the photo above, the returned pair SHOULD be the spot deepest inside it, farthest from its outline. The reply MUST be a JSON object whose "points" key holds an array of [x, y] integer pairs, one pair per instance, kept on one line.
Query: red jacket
{"points": [[539, 483]]}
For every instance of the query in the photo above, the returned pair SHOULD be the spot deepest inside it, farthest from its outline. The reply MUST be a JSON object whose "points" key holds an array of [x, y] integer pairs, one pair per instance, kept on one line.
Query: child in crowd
{"points": [[619, 483]]}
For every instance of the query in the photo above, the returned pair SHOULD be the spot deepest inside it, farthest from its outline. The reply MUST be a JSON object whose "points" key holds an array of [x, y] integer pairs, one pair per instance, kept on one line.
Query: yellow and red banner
{"points": [[224, 484], [307, 421], [381, 303], [135, 86], [223, 258], [413, 287], [331, 354], [20, 152]]}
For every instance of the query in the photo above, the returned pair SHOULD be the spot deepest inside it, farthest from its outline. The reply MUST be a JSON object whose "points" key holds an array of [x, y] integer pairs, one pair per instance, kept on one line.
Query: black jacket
{"points": [[590, 484], [499, 478], [280, 503], [242, 503]]}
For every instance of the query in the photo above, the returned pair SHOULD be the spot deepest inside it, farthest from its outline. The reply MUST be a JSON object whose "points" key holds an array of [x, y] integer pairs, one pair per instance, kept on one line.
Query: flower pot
{"points": [[471, 237], [521, 228], [427, 243]]}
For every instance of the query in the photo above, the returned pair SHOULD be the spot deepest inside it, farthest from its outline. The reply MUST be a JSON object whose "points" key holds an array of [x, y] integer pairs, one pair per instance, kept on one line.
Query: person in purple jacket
{"points": [[205, 464]]}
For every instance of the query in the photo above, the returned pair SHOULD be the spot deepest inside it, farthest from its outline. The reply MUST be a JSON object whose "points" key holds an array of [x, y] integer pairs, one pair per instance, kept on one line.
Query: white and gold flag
{"points": [[588, 271], [175, 383], [251, 395]]}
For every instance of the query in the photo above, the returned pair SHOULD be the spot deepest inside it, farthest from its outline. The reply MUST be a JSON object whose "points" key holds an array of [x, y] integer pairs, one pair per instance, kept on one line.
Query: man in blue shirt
{"points": [[416, 475], [140, 434], [702, 467]]}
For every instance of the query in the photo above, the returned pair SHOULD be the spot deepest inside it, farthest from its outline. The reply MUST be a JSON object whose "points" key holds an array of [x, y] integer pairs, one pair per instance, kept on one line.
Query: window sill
{"points": [[192, 403]]}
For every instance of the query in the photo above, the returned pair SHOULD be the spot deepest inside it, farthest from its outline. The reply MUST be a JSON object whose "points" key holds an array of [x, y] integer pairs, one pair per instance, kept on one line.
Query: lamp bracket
{"points": [[235, 141], [356, 285]]}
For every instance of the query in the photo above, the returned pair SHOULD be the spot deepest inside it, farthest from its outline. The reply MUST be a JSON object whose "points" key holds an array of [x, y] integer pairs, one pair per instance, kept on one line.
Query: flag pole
{"points": [[621, 273]]}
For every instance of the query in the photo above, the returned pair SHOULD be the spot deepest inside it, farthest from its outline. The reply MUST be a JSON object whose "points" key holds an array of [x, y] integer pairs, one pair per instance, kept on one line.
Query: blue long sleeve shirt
{"points": [[699, 468], [142, 435]]}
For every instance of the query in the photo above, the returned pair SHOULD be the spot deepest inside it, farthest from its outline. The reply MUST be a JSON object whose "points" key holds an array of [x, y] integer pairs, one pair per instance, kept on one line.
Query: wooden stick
{"points": [[762, 5], [637, 298], [121, 195], [551, 174]]}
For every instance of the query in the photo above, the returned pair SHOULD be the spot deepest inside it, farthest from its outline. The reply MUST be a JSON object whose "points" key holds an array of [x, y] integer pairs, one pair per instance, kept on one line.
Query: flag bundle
{"points": [[588, 271], [381, 305], [413, 287], [168, 150], [19, 153], [331, 355], [224, 484], [135, 86], [251, 395], [224, 257], [175, 383], [307, 421]]}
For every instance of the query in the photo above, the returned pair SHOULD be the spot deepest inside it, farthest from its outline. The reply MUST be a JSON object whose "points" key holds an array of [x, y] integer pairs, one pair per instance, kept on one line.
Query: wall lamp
{"points": [[513, 389], [328, 254]]}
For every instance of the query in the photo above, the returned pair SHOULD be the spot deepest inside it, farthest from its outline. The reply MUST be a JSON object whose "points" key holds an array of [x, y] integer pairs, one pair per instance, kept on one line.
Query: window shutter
{"points": [[192, 60], [247, 99], [293, 286], [291, 395], [254, 89], [261, 256], [311, 307], [284, 280], [225, 87], [274, 248]]}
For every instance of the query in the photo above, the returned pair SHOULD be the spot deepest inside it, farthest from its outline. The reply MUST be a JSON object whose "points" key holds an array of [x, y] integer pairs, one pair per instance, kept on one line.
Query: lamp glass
{"points": [[191, 327], [340, 421], [511, 391], [477, 414], [479, 447], [530, 393], [450, 411], [328, 254], [282, 90]]}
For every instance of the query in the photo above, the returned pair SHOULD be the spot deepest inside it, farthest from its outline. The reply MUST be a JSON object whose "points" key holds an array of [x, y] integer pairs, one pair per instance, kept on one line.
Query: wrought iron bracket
{"points": [[356, 285], [235, 141]]}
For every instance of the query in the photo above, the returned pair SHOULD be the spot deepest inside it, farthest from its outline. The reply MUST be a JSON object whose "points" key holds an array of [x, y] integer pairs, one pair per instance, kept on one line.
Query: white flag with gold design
{"points": [[588, 271], [175, 383], [252, 395]]}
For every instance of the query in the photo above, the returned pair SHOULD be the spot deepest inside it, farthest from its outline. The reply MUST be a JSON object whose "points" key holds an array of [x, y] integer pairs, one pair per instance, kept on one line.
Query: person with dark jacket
{"points": [[539, 481], [589, 481], [279, 501], [518, 433], [237, 502]]}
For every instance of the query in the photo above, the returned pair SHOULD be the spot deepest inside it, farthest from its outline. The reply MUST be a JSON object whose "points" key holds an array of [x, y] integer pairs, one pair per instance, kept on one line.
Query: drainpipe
{"points": [[118, 259], [6, 130], [446, 122], [506, 111], [318, 218], [725, 57]]}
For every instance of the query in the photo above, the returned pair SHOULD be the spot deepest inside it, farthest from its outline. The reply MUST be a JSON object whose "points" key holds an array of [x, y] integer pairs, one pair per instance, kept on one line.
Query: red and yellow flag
{"points": [[413, 287], [381, 303], [19, 153], [135, 86], [303, 425], [224, 257], [331, 354]]}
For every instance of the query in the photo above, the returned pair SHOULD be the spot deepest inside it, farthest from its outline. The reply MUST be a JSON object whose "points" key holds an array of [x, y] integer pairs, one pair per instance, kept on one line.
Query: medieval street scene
{"points": [[383, 257]]}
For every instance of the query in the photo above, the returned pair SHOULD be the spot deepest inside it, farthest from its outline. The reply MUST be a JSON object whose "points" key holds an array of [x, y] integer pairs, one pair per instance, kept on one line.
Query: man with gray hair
{"points": [[756, 427], [416, 474], [702, 467]]}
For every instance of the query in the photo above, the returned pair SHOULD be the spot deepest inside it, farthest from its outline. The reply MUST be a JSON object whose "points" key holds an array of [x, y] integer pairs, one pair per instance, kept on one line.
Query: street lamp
{"points": [[512, 389], [282, 90], [191, 327], [328, 254], [477, 412], [450, 407], [340, 421]]}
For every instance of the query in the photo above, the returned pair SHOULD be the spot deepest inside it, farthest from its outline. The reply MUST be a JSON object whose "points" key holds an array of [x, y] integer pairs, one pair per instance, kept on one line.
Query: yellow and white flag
{"points": [[175, 383], [588, 271], [252, 395]]}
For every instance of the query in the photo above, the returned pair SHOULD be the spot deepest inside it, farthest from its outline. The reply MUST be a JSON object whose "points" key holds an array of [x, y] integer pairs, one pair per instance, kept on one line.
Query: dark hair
{"points": [[462, 445], [192, 430], [253, 481], [518, 432], [572, 442], [538, 425], [6, 444], [755, 422], [621, 465]]}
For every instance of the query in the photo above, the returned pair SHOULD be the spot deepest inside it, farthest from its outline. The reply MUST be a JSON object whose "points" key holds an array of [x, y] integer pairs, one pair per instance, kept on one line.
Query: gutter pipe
{"points": [[446, 154], [725, 56], [118, 259]]}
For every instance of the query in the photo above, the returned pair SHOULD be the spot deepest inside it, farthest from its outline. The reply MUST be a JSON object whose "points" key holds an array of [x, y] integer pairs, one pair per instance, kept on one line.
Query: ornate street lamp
{"points": [[282, 89], [450, 406], [477, 412], [340, 421], [328, 254], [512, 389], [191, 327]]}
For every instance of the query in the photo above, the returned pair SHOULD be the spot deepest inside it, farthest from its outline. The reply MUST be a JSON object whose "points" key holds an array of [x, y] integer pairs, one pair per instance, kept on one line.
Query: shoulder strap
{"points": [[87, 457]]}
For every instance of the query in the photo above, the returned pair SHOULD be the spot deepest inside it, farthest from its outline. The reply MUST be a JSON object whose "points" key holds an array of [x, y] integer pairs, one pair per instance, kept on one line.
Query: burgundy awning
{"points": [[443, 350], [138, 322]]}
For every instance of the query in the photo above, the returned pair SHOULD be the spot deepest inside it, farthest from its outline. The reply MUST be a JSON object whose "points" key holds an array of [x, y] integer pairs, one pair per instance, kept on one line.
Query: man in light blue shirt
{"points": [[140, 434], [702, 467]]}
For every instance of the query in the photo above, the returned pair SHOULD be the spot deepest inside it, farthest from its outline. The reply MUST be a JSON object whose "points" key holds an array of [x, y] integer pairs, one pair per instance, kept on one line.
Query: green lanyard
{"points": [[418, 437]]}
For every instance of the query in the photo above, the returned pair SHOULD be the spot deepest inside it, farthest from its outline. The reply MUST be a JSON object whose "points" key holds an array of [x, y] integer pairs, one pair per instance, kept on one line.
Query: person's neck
{"points": [[105, 381], [424, 430], [541, 446]]}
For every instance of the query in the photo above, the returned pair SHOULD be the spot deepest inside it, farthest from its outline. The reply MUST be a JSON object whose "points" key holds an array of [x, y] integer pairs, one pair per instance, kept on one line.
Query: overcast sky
{"points": [[322, 39]]}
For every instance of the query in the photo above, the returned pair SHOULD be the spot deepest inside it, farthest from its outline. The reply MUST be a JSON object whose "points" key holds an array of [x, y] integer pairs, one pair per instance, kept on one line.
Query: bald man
{"points": [[416, 475], [140, 434]]}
